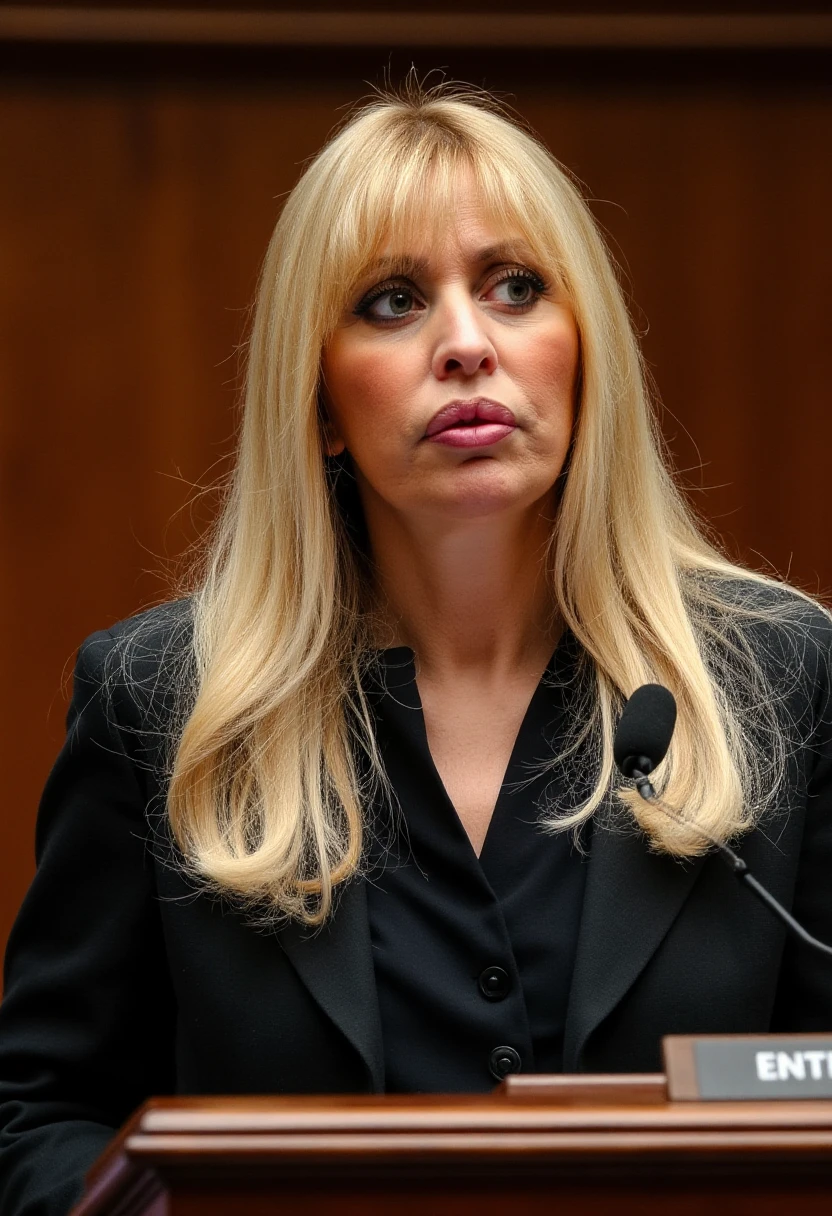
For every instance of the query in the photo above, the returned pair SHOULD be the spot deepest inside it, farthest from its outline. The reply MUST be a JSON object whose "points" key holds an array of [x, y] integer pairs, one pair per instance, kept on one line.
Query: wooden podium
{"points": [[571, 1145]]}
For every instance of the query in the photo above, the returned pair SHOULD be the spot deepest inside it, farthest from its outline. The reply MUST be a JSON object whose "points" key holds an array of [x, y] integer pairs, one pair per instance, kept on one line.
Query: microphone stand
{"points": [[734, 862]]}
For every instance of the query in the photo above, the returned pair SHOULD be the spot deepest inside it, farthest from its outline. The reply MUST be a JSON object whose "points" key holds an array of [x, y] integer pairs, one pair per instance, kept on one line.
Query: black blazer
{"points": [[123, 981]]}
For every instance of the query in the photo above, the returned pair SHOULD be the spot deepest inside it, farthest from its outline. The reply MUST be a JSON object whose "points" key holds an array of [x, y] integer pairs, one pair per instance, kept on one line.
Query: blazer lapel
{"points": [[631, 899], [336, 965]]}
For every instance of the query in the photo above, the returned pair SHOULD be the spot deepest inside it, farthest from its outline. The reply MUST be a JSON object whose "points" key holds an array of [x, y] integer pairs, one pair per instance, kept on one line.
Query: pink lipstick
{"points": [[471, 424]]}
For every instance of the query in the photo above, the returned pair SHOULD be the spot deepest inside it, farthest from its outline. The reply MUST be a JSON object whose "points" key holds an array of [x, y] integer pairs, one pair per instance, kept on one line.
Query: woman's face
{"points": [[451, 377]]}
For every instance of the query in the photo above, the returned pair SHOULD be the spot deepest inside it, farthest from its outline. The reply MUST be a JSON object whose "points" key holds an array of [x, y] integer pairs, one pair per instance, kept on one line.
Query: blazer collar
{"points": [[336, 964], [631, 899]]}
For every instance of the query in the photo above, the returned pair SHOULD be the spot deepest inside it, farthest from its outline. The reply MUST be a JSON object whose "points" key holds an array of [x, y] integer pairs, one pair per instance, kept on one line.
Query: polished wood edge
{"points": [[680, 1067], [114, 1174], [119, 1184], [432, 1117], [625, 31], [626, 1088], [330, 1137]]}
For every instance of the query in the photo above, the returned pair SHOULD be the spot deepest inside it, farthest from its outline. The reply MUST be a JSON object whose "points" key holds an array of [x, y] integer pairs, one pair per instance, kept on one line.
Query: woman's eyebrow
{"points": [[504, 251], [405, 263], [401, 263]]}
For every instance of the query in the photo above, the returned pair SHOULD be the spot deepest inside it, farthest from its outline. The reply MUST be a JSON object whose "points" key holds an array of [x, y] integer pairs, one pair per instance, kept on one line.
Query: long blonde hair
{"points": [[267, 799]]}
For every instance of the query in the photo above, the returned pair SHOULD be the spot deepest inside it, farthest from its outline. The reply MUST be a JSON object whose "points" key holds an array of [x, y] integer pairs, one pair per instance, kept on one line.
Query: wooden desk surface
{"points": [[585, 1143]]}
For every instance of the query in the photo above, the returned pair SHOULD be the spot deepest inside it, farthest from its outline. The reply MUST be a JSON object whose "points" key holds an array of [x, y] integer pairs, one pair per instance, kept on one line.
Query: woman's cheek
{"points": [[374, 388], [552, 373], [558, 352], [352, 385]]}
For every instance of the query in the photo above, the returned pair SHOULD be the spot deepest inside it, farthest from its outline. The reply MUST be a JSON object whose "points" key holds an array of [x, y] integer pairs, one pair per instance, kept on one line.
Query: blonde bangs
{"points": [[403, 195]]}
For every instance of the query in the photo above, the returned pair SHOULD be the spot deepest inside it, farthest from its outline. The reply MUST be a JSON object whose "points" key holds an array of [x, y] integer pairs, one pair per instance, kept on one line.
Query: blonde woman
{"points": [[347, 819]]}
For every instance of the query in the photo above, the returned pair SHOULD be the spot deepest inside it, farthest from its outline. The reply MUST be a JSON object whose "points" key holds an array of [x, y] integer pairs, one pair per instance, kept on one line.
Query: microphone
{"points": [[644, 733], [641, 741]]}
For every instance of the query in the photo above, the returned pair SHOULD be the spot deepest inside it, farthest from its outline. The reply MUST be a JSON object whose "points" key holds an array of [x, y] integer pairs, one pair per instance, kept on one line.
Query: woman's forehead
{"points": [[448, 205]]}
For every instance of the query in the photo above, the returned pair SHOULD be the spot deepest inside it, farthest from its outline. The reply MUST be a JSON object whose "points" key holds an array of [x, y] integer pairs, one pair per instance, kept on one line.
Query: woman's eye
{"points": [[391, 302], [388, 304], [395, 303], [518, 289]]}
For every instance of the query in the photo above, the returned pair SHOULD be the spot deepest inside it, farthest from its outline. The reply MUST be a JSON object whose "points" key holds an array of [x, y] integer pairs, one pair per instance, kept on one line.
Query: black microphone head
{"points": [[645, 729]]}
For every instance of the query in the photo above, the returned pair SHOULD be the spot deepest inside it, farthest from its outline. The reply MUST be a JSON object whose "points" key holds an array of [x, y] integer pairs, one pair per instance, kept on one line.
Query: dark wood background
{"points": [[143, 157]]}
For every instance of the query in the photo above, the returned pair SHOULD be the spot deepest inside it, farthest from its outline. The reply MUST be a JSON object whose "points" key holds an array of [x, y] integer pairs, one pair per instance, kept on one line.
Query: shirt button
{"points": [[502, 1061], [494, 983]]}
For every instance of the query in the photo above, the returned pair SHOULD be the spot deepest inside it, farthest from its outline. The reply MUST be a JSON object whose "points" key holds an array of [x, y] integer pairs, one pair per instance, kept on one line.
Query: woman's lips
{"points": [[471, 424], [472, 436]]}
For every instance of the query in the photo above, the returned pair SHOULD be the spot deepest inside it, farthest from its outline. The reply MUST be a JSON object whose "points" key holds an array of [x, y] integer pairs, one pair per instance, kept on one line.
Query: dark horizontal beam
{"points": [[630, 31]]}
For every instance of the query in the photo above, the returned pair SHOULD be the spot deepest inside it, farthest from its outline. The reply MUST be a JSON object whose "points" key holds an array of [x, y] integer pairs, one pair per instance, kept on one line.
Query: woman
{"points": [[348, 819]]}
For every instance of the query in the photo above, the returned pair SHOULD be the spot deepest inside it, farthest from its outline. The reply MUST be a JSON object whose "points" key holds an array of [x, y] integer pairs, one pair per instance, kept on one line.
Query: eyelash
{"points": [[383, 289]]}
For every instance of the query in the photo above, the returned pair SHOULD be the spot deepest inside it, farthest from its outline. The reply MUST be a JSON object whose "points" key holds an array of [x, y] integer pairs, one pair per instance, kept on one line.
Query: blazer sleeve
{"points": [[804, 998], [87, 1022]]}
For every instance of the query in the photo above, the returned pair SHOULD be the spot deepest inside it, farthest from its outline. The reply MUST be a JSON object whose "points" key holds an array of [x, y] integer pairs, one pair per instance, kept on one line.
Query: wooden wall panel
{"points": [[137, 194]]}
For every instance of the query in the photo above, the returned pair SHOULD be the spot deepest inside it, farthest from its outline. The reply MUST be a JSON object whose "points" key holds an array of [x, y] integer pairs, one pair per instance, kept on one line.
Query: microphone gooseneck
{"points": [[641, 741]]}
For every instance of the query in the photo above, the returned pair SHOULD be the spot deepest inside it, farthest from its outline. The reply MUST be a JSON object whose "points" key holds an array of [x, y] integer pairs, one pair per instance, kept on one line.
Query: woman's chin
{"points": [[475, 493]]}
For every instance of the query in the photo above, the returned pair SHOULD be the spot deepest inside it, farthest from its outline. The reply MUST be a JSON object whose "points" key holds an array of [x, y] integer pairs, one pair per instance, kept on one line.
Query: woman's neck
{"points": [[468, 596]]}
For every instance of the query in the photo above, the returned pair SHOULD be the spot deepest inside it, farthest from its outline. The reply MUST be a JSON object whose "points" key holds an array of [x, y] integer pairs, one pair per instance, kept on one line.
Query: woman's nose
{"points": [[463, 345]]}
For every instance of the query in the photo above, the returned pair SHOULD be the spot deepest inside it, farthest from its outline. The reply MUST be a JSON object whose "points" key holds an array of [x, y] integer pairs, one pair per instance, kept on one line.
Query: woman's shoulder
{"points": [[787, 632], [142, 664], [765, 599], [776, 607]]}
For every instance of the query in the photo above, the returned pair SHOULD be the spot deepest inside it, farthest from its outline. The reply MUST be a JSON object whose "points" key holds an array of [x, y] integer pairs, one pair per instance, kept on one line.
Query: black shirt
{"points": [[473, 957]]}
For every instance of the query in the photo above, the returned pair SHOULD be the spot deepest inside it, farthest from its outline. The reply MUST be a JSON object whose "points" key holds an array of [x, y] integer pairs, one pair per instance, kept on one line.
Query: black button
{"points": [[495, 983], [502, 1061]]}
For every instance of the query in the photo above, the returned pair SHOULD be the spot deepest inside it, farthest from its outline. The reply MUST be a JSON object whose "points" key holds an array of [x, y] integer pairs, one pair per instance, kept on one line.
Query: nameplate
{"points": [[747, 1067]]}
